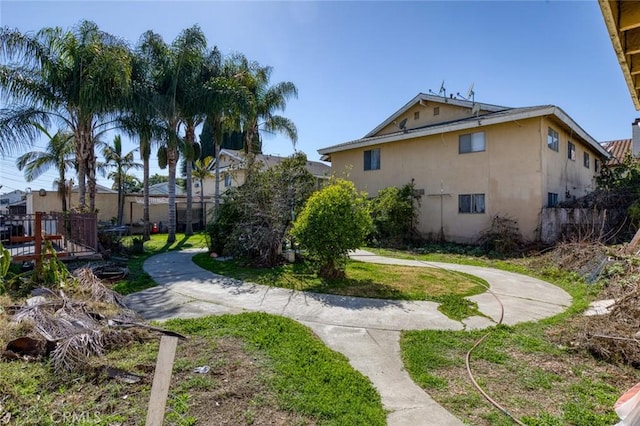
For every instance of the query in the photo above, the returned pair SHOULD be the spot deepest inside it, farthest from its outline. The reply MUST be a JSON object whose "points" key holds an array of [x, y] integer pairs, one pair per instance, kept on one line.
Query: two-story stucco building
{"points": [[472, 161]]}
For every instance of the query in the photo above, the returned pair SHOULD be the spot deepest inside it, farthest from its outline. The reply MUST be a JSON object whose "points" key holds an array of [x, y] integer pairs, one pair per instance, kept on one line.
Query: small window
{"points": [[436, 111], [473, 142], [571, 152], [416, 115], [552, 139], [586, 160], [227, 180], [552, 199], [372, 159], [596, 165], [471, 203]]}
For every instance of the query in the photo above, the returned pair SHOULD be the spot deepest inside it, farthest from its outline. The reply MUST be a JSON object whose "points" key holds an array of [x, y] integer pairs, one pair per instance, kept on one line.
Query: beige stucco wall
{"points": [[562, 175], [426, 116], [106, 203], [510, 172]]}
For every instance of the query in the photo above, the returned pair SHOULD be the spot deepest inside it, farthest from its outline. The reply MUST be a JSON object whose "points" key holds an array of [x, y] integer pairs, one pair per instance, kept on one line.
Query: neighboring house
{"points": [[233, 171], [618, 149], [162, 188], [621, 148], [472, 161], [9, 198], [106, 205], [623, 24]]}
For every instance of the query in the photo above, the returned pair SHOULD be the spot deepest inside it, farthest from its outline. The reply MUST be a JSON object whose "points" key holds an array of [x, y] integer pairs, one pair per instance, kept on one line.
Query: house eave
{"points": [[624, 50]]}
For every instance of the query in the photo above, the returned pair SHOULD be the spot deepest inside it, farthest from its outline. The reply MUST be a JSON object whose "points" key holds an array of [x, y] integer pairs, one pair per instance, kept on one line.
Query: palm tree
{"points": [[227, 96], [266, 101], [201, 171], [59, 153], [121, 164], [140, 120], [191, 102], [168, 63], [76, 77]]}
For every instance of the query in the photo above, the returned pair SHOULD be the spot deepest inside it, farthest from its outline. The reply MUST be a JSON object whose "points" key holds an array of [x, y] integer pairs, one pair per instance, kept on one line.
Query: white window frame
{"points": [[586, 160], [553, 140], [571, 153], [471, 204], [373, 160], [227, 179], [472, 142]]}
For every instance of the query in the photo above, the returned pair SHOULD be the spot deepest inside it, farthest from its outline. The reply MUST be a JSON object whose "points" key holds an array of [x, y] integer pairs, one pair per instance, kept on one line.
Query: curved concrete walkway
{"points": [[367, 331]]}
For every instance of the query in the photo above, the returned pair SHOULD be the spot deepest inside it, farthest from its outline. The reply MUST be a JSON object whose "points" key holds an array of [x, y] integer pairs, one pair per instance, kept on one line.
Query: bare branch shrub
{"points": [[502, 237]]}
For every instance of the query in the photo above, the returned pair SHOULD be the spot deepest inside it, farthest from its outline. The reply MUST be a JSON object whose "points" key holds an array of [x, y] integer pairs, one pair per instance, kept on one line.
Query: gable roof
{"points": [[162, 188], [496, 117], [100, 189], [618, 149], [423, 97]]}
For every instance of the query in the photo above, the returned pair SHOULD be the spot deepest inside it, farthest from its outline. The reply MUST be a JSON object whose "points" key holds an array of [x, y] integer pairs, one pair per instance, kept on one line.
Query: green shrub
{"points": [[335, 220], [5, 262], [394, 212]]}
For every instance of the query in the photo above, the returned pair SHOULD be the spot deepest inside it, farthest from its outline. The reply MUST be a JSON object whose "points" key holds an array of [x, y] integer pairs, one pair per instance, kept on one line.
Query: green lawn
{"points": [[528, 368], [262, 366], [137, 279], [363, 279]]}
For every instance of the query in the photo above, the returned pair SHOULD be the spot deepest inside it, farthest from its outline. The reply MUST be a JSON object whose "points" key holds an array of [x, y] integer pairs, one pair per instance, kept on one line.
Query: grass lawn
{"points": [[363, 279], [137, 279], [261, 367], [527, 368]]}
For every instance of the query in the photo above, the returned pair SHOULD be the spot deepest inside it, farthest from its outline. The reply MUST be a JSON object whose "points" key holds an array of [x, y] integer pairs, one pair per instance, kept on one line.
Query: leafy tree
{"points": [[130, 184], [334, 220], [156, 178], [59, 153], [394, 212], [121, 163], [254, 219], [77, 77]]}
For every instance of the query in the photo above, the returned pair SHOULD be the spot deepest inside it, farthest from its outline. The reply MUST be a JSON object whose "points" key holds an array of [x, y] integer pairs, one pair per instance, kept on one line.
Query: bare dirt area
{"points": [[233, 392]]}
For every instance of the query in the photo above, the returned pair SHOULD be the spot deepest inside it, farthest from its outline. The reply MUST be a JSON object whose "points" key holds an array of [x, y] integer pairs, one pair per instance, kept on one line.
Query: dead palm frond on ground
{"points": [[73, 327]]}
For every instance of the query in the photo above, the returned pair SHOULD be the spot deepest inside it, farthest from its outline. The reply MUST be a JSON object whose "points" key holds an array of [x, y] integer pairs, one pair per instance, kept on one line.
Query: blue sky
{"points": [[355, 63]]}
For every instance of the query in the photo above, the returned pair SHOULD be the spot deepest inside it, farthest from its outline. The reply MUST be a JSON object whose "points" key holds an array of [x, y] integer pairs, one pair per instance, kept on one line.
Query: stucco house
{"points": [[233, 171], [9, 198], [473, 161]]}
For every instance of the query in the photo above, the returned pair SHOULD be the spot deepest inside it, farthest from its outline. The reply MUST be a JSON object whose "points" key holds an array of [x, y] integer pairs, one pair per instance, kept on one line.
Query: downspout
{"points": [[542, 178]]}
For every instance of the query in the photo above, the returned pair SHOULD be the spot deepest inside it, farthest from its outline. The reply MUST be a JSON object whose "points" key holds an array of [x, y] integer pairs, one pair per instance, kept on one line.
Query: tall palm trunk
{"points": [[86, 158], [202, 212], [218, 146], [190, 135], [172, 160], [62, 186], [145, 153], [82, 170], [91, 176], [120, 201]]}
